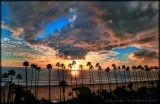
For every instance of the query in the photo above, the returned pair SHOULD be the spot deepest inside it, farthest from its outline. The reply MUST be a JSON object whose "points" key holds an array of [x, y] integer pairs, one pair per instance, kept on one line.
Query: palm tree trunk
{"points": [[49, 85], [75, 76], [82, 76], [124, 74], [35, 83], [71, 82], [134, 78], [4, 90], [8, 99], [26, 78], [59, 81], [92, 79], [121, 77], [147, 78], [153, 75], [144, 80], [31, 80], [109, 81], [129, 77], [11, 97], [141, 77], [99, 79], [115, 77]]}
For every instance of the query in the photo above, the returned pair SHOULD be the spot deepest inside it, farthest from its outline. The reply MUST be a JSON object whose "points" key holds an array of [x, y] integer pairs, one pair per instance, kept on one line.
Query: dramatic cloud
{"points": [[144, 55], [98, 26]]}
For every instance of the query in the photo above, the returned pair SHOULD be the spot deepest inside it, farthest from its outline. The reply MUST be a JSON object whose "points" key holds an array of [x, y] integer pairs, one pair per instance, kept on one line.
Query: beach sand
{"points": [[55, 91]]}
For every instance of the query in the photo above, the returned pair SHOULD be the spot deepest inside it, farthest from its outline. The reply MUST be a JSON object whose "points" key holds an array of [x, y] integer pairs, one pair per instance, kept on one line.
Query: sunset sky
{"points": [[100, 32]]}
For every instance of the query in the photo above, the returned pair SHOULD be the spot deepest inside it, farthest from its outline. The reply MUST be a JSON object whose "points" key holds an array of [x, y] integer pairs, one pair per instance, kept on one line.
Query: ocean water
{"points": [[43, 76]]}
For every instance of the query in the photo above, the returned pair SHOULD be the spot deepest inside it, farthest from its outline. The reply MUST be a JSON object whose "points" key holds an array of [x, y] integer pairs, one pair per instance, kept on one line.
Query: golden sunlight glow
{"points": [[73, 72]]}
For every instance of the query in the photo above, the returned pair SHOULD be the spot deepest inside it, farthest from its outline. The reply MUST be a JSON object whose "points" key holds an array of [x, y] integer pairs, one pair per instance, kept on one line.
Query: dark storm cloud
{"points": [[145, 54], [90, 32]]}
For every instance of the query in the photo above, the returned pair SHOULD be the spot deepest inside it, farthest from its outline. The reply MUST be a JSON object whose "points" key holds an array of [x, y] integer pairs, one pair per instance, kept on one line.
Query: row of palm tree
{"points": [[137, 71]]}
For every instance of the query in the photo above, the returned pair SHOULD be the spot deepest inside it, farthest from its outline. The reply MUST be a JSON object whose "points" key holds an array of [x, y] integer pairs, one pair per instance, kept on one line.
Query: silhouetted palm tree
{"points": [[19, 77], [147, 69], [35, 76], [91, 67], [38, 69], [128, 72], [89, 64], [99, 75], [143, 76], [134, 75], [58, 65], [63, 84], [120, 75], [158, 74], [124, 73], [49, 66], [108, 77], [70, 66], [26, 64], [140, 74], [32, 66], [5, 76], [81, 67], [12, 73], [154, 75], [114, 69], [63, 67], [74, 63]]}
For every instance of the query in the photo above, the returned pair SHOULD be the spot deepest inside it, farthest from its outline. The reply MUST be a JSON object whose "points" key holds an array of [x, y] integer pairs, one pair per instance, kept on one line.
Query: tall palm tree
{"points": [[114, 69], [63, 84], [120, 74], [143, 76], [59, 65], [128, 72], [158, 74], [99, 77], [91, 67], [63, 67], [26, 64], [134, 74], [19, 77], [32, 66], [139, 67], [108, 77], [5, 76], [154, 75], [49, 66], [70, 66], [81, 67], [39, 70], [74, 63], [12, 73], [124, 73], [89, 64], [147, 69], [35, 76]]}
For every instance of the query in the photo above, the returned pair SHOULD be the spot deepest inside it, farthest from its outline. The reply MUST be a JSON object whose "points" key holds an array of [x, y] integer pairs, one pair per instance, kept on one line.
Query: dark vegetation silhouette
{"points": [[144, 85]]}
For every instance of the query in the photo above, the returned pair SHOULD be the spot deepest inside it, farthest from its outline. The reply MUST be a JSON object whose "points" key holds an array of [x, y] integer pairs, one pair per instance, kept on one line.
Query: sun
{"points": [[76, 66]]}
